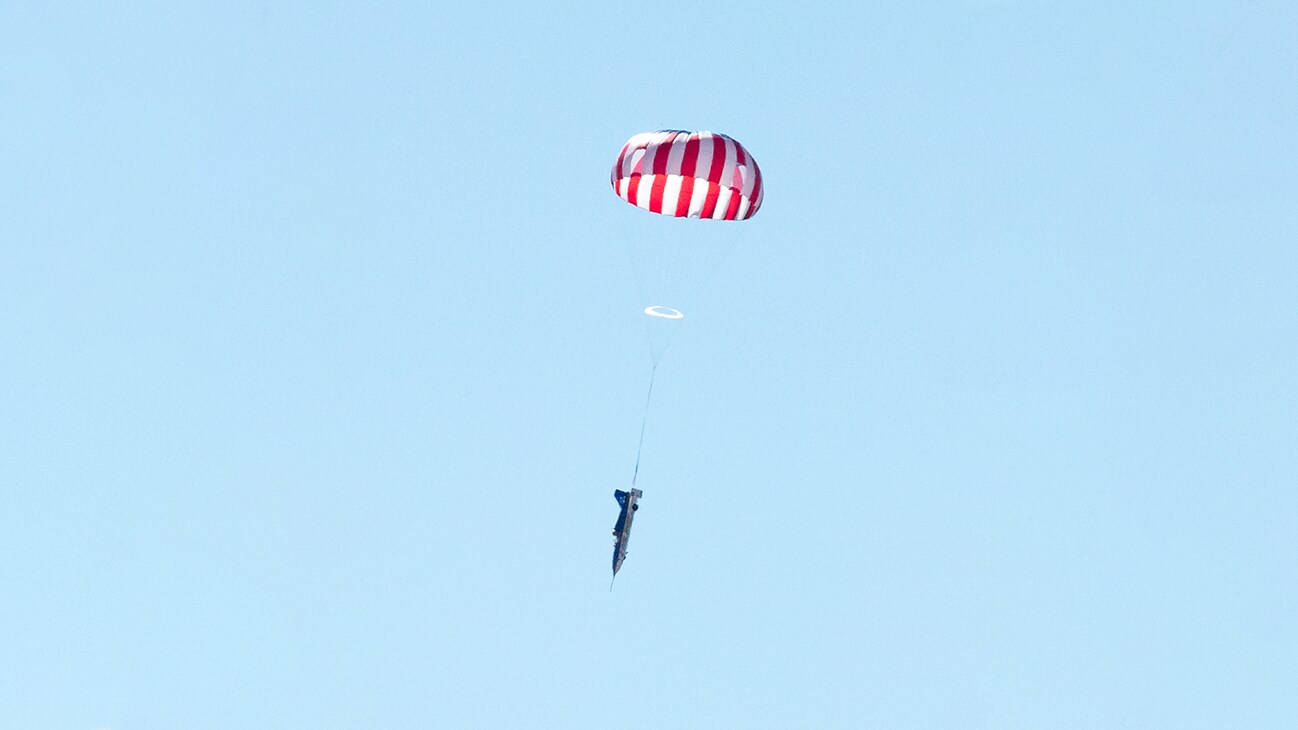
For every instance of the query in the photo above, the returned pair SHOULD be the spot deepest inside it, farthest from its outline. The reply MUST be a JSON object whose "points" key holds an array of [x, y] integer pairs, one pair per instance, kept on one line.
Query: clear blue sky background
{"points": [[320, 359]]}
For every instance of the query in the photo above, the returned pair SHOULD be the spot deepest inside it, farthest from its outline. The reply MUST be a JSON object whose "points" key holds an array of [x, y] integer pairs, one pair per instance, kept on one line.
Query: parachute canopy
{"points": [[688, 175]]}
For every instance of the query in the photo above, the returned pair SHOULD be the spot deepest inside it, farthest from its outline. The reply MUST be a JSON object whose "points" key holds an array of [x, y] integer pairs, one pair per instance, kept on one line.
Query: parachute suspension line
{"points": [[644, 421], [632, 240], [654, 355]]}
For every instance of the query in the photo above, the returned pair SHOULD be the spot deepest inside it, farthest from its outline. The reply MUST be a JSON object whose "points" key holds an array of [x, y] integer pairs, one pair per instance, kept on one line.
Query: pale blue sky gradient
{"points": [[320, 359]]}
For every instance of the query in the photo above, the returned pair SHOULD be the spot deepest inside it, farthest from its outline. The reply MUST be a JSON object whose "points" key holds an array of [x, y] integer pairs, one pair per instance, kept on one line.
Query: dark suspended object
{"points": [[622, 530]]}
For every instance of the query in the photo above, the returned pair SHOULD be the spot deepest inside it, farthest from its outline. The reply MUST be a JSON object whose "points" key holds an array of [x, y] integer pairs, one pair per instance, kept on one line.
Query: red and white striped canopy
{"points": [[689, 175]]}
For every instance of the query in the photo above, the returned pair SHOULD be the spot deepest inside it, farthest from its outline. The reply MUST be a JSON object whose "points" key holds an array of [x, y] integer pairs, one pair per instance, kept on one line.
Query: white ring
{"points": [[664, 312]]}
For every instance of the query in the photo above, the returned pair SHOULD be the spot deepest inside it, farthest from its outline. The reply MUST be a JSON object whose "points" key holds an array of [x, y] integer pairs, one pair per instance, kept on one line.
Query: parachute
{"points": [[689, 175], [677, 176]]}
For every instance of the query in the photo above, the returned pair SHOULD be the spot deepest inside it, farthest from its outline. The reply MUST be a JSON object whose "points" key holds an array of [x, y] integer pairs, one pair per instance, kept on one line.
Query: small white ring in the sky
{"points": [[664, 312]]}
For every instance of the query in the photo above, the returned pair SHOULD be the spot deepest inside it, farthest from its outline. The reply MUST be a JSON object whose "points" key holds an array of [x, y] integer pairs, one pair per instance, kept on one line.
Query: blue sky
{"points": [[322, 358]]}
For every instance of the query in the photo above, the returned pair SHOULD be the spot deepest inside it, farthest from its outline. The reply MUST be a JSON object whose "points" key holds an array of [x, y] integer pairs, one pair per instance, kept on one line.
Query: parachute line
{"points": [[673, 265], [627, 237], [643, 422]]}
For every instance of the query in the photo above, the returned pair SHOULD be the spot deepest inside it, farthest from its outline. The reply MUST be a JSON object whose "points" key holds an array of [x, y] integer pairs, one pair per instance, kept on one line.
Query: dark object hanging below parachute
{"points": [[622, 530]]}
